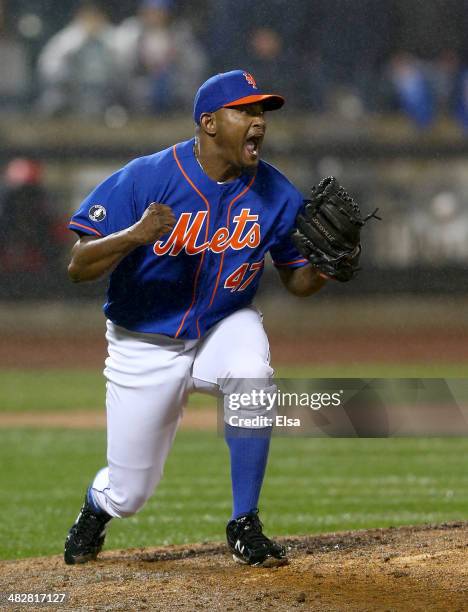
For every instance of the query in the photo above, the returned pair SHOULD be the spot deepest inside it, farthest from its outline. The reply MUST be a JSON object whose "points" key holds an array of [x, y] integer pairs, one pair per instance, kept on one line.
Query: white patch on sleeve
{"points": [[97, 212]]}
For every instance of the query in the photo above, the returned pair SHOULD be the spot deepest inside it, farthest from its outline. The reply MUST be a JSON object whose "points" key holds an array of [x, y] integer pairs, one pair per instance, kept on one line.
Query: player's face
{"points": [[240, 133]]}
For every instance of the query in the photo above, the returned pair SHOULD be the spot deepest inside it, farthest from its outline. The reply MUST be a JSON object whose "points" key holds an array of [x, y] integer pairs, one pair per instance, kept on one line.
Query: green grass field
{"points": [[312, 485], [51, 390]]}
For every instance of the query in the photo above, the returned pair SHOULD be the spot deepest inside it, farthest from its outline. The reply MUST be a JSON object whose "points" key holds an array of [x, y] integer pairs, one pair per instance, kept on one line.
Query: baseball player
{"points": [[183, 235]]}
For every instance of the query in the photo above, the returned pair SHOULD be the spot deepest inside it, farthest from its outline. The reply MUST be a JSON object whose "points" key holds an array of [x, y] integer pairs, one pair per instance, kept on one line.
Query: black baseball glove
{"points": [[328, 230]]}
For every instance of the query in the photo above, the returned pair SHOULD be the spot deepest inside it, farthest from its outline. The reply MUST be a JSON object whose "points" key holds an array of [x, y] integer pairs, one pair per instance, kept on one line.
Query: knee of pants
{"points": [[250, 407], [129, 498], [129, 505], [240, 366], [243, 379]]}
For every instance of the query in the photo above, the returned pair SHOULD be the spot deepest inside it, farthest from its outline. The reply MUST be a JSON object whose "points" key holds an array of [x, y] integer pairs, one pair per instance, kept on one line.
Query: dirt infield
{"points": [[203, 419], [403, 569], [65, 351], [372, 329]]}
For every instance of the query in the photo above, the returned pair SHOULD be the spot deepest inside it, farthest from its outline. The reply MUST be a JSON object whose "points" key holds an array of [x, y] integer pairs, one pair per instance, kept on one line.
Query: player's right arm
{"points": [[93, 257]]}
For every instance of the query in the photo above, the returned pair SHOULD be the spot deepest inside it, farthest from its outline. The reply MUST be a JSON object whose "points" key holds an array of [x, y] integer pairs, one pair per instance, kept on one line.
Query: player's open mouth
{"points": [[252, 146]]}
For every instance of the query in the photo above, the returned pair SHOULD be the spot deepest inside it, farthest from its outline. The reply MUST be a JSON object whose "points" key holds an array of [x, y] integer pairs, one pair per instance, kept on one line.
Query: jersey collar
{"points": [[186, 153]]}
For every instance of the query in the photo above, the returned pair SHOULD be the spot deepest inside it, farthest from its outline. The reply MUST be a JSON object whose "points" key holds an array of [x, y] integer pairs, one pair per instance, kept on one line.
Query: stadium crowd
{"points": [[148, 56], [112, 61]]}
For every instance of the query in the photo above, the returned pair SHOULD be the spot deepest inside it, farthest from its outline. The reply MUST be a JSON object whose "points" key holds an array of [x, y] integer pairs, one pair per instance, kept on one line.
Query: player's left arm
{"points": [[302, 281]]}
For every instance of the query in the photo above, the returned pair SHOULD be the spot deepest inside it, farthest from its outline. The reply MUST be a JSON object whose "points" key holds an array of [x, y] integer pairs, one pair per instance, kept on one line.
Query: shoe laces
{"points": [[251, 529], [89, 526]]}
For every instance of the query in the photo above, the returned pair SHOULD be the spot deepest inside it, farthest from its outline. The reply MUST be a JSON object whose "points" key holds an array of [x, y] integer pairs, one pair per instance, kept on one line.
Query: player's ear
{"points": [[208, 123]]}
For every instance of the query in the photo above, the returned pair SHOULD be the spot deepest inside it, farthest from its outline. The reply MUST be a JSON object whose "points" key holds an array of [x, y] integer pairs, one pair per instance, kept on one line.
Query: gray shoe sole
{"points": [[268, 562]]}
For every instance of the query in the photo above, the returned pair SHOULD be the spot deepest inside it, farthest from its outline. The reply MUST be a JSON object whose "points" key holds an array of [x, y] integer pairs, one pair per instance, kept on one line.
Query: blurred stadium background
{"points": [[377, 94]]}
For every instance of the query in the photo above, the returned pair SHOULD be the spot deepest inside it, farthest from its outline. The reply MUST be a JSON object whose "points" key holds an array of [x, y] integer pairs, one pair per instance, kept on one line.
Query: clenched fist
{"points": [[157, 220]]}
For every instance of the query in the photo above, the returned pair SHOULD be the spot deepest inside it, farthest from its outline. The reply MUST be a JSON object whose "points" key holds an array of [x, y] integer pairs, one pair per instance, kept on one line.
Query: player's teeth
{"points": [[251, 147]]}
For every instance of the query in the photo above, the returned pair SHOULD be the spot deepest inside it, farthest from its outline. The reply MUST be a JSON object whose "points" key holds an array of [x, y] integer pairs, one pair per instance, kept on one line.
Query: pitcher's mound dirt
{"points": [[403, 569]]}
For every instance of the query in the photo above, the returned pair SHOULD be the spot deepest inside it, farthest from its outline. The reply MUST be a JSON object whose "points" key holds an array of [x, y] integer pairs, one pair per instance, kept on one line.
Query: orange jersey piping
{"points": [[242, 193], [90, 229], [290, 263], [195, 281]]}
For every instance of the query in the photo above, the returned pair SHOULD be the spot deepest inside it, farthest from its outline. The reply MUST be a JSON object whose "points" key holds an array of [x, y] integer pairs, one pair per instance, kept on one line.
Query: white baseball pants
{"points": [[149, 377]]}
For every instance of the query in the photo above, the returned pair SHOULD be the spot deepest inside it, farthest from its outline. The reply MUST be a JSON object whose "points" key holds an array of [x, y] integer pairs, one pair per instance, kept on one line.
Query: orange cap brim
{"points": [[270, 101]]}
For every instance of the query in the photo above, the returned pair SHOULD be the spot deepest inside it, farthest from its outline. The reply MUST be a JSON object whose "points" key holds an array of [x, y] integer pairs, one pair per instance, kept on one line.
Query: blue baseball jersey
{"points": [[211, 263]]}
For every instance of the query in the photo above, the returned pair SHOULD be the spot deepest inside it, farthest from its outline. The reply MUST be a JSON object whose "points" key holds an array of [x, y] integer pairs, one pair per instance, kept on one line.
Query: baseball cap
{"points": [[231, 89]]}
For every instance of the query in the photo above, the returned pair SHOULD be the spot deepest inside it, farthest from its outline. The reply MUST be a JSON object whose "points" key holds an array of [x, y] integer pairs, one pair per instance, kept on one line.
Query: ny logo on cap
{"points": [[250, 80]]}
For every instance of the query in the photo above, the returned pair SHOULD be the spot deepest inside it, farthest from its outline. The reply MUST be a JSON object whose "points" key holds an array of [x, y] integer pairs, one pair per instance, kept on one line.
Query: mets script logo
{"points": [[250, 80], [185, 235]]}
